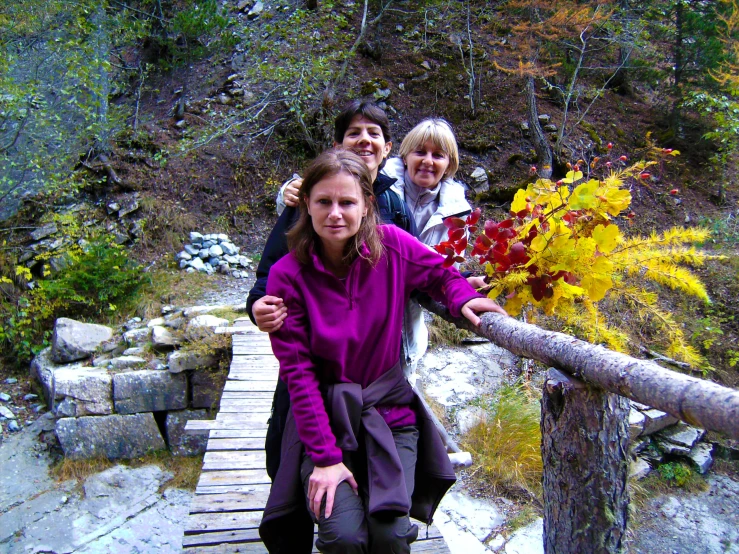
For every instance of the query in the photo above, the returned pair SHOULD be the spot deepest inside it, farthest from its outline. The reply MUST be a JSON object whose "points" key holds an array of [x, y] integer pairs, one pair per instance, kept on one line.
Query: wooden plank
{"points": [[239, 548], [437, 546], [202, 426], [222, 537], [229, 395], [255, 374], [258, 418], [236, 407], [239, 477], [238, 433], [199, 523], [246, 402], [235, 444], [234, 459], [252, 349], [256, 386], [231, 502]]}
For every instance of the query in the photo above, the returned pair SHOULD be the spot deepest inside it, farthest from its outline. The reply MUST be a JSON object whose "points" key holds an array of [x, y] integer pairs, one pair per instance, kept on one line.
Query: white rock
{"points": [[207, 320], [639, 469], [156, 321], [215, 251], [477, 516], [196, 264], [6, 413], [161, 337], [528, 540], [701, 456]]}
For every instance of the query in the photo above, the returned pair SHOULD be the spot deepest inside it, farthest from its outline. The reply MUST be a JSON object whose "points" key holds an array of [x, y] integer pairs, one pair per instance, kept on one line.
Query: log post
{"points": [[584, 447]]}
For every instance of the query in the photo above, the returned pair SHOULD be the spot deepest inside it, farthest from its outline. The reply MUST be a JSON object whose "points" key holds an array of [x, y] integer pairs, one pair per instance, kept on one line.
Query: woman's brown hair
{"points": [[302, 239]]}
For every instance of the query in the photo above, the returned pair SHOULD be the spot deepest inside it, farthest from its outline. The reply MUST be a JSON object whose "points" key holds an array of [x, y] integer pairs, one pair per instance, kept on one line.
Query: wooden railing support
{"points": [[584, 448], [584, 425], [696, 401]]}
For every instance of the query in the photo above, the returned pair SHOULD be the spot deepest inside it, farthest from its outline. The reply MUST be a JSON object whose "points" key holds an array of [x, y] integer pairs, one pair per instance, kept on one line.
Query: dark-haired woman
{"points": [[356, 432]]}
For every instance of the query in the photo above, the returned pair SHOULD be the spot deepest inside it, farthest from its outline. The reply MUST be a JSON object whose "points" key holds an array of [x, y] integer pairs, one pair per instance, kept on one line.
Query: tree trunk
{"points": [[696, 401], [538, 138], [584, 445], [679, 63]]}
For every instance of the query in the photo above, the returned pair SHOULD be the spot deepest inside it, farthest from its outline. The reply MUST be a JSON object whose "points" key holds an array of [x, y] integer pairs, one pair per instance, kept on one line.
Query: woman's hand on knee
{"points": [[323, 482]]}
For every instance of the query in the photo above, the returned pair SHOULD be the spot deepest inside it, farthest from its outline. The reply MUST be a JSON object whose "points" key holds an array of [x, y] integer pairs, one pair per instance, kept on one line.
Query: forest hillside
{"points": [[192, 112]]}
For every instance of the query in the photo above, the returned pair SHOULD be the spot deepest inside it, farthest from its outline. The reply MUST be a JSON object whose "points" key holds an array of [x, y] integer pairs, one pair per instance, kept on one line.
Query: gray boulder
{"points": [[137, 336], [44, 231], [74, 340], [82, 391], [126, 362], [656, 420], [181, 444], [43, 369], [207, 387], [149, 391], [181, 360], [112, 436]]}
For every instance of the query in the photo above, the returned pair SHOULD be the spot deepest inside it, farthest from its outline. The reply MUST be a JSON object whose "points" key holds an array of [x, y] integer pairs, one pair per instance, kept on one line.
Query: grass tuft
{"points": [[443, 333], [186, 469], [505, 446]]}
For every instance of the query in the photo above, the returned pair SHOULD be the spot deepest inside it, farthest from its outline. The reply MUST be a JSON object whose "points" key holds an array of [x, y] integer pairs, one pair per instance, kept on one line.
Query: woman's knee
{"points": [[342, 537], [391, 536]]}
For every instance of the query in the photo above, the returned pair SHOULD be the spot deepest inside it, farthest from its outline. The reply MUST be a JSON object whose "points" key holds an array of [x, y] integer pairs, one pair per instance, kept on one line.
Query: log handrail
{"points": [[696, 401]]}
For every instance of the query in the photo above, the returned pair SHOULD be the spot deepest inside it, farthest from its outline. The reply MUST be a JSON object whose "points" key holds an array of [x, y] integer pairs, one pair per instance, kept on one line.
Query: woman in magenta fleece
{"points": [[356, 432]]}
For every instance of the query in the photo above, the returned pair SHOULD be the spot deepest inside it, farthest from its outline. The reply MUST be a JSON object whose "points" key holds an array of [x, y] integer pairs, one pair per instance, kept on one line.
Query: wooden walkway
{"points": [[233, 486]]}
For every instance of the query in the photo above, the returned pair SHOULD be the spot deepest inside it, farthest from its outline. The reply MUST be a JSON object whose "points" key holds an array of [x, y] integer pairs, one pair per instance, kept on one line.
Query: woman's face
{"points": [[427, 165], [364, 137], [336, 206]]}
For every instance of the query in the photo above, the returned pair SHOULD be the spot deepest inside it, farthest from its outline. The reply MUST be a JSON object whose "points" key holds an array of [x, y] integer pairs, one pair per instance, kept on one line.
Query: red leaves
{"points": [[674, 192]]}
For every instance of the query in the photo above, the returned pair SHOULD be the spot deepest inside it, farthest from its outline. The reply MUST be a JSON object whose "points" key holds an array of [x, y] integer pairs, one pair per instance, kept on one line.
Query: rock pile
{"points": [[211, 253], [45, 252], [656, 436], [122, 393]]}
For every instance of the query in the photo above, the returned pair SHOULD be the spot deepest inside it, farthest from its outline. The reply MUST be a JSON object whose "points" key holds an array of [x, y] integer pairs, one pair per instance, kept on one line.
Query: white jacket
{"points": [[452, 202]]}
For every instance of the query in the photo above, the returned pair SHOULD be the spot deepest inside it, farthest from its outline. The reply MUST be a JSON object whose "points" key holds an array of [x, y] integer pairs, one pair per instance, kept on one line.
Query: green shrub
{"points": [[96, 281]]}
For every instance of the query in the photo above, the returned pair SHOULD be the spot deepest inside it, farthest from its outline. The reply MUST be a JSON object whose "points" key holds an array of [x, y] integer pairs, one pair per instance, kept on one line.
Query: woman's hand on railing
{"points": [[480, 305], [269, 312], [323, 482]]}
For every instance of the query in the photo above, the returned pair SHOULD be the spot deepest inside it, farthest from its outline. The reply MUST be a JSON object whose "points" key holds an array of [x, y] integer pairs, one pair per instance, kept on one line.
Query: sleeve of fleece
{"points": [[291, 346], [424, 271], [275, 249]]}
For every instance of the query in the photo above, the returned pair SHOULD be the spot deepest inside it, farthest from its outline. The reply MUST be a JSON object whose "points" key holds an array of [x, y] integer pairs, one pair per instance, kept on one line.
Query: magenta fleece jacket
{"points": [[348, 331]]}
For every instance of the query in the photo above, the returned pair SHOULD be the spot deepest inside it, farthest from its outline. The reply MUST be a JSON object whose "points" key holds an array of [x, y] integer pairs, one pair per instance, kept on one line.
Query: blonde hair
{"points": [[302, 238], [440, 133]]}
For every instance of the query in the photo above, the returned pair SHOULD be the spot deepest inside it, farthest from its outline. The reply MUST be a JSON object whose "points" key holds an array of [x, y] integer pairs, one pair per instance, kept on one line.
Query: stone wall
{"points": [[119, 393]]}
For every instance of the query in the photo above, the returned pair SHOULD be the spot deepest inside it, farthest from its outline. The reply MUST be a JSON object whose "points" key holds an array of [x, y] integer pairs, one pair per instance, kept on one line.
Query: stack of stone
{"points": [[120, 393], [657, 436], [211, 253]]}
